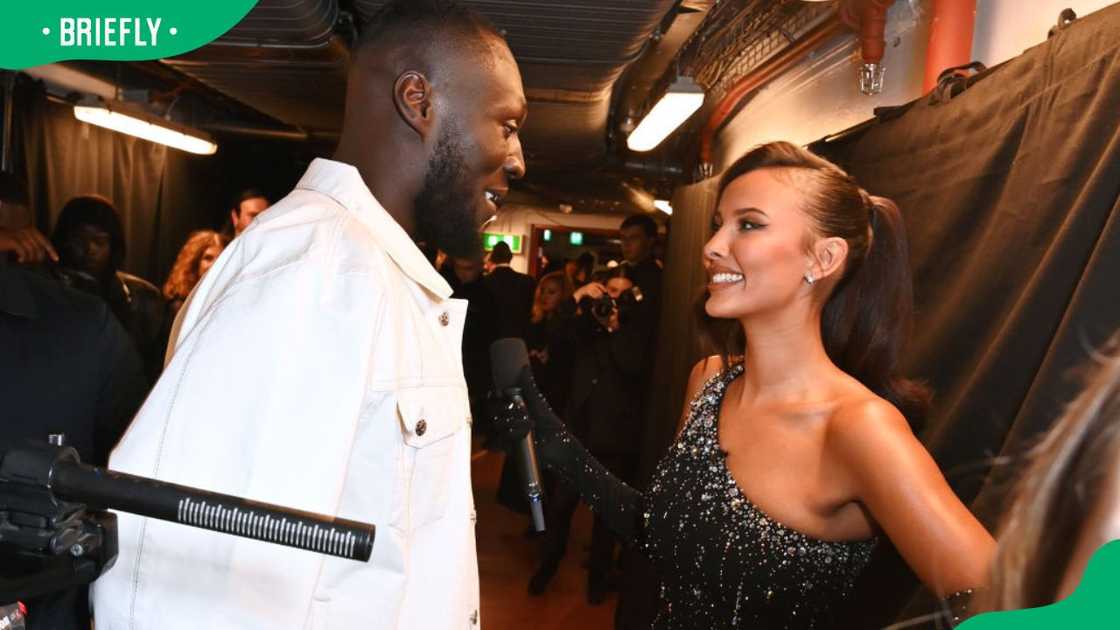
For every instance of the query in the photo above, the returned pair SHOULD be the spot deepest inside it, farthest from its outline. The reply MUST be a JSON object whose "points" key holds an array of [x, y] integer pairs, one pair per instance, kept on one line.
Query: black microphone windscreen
{"points": [[507, 357]]}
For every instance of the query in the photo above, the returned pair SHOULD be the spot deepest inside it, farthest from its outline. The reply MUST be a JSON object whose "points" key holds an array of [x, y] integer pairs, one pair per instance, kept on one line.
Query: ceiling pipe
{"points": [[869, 19], [759, 77], [647, 167], [265, 133], [950, 38]]}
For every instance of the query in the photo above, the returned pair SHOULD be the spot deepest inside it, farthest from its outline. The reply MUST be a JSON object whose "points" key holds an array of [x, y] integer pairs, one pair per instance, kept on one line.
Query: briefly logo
{"points": [[1092, 604], [84, 32], [36, 33]]}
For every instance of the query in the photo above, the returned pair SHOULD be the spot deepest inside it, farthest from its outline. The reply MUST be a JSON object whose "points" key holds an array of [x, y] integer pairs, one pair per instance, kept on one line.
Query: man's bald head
{"points": [[433, 109], [420, 30]]}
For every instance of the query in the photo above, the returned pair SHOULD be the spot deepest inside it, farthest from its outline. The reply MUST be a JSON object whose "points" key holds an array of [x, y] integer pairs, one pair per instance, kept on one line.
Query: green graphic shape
{"points": [[1092, 605], [39, 32]]}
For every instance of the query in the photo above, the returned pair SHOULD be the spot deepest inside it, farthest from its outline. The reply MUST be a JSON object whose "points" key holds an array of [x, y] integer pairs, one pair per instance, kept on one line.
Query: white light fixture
{"points": [[683, 98], [663, 206], [136, 122]]}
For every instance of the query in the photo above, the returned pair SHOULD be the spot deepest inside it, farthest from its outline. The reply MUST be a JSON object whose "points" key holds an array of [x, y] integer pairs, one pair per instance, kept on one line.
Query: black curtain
{"points": [[162, 194], [1010, 193]]}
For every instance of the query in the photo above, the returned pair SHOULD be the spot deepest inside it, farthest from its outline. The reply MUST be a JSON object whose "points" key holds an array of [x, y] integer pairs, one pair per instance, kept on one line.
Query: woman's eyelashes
{"points": [[741, 225]]}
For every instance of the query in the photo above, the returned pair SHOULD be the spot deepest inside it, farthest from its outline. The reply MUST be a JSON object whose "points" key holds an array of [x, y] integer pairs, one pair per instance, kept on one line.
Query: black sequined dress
{"points": [[722, 562]]}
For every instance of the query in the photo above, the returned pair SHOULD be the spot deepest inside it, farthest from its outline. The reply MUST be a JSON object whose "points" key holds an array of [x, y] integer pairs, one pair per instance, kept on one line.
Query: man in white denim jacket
{"points": [[317, 365]]}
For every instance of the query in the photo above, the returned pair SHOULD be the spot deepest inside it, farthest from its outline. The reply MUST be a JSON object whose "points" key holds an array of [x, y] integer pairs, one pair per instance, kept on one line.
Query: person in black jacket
{"points": [[91, 248], [638, 234], [479, 330], [67, 367], [512, 291]]}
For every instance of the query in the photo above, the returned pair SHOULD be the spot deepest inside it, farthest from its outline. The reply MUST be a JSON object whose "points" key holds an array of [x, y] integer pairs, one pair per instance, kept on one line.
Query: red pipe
{"points": [[950, 38], [869, 18], [760, 76]]}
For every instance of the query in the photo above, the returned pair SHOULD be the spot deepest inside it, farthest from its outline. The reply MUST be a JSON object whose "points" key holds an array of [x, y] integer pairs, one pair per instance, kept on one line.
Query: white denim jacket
{"points": [[301, 368]]}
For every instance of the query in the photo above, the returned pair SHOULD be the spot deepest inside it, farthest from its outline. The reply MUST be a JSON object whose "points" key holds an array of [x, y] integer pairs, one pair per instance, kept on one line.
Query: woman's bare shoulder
{"points": [[705, 369]]}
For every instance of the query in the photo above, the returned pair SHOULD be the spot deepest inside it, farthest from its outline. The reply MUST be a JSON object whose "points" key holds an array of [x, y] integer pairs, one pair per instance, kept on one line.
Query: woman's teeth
{"points": [[726, 278]]}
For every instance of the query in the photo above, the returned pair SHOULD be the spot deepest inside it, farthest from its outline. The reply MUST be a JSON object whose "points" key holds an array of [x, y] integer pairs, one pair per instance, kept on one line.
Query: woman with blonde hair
{"points": [[1066, 504], [195, 258], [552, 290]]}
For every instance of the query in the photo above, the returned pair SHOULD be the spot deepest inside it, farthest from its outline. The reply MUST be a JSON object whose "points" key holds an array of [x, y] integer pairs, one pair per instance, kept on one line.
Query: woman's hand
{"points": [[592, 290], [509, 422]]}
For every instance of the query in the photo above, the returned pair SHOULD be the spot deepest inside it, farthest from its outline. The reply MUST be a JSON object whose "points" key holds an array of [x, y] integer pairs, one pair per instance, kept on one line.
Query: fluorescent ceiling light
{"points": [[663, 206], [135, 122], [683, 98]]}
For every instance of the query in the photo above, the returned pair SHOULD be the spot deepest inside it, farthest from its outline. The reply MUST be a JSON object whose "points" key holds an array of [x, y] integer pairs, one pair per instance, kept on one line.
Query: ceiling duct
{"points": [[283, 59]]}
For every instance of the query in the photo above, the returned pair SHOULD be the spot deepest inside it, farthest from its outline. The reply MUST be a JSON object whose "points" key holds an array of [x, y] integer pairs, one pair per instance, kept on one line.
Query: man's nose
{"points": [[515, 161]]}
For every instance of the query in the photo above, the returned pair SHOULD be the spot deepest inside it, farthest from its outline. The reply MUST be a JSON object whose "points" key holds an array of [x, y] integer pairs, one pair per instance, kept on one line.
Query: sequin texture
{"points": [[723, 563]]}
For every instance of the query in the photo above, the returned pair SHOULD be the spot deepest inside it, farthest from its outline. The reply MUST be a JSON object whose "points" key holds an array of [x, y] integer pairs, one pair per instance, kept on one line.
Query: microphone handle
{"points": [[530, 470]]}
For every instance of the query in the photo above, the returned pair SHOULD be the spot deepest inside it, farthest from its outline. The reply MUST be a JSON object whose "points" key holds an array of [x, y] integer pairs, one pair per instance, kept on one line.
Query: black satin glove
{"points": [[616, 503]]}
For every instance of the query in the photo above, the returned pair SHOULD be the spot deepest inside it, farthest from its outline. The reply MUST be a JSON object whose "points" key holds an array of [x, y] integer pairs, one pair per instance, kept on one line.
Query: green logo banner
{"points": [[1092, 605], [36, 32]]}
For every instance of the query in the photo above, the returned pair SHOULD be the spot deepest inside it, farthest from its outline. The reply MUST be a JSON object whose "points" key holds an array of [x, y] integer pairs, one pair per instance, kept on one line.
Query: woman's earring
{"points": [[809, 279]]}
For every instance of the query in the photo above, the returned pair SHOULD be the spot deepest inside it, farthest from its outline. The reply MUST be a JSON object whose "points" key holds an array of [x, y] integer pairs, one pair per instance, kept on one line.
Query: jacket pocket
{"points": [[430, 420]]}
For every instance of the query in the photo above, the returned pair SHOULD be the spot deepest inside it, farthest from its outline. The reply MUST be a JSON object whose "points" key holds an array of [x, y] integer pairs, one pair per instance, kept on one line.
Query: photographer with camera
{"points": [[609, 327]]}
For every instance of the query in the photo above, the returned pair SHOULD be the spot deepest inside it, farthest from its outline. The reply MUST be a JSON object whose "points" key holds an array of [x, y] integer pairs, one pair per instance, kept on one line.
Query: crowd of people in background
{"points": [[89, 239]]}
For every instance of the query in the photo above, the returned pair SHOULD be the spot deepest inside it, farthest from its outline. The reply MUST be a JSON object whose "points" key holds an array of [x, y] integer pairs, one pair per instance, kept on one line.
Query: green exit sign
{"points": [[490, 239]]}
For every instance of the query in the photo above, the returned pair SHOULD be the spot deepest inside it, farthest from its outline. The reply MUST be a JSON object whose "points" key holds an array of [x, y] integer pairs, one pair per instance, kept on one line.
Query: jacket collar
{"points": [[344, 184]]}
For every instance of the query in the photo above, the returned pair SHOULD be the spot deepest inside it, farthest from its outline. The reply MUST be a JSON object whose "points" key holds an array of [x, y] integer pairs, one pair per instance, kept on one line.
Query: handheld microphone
{"points": [[508, 357]]}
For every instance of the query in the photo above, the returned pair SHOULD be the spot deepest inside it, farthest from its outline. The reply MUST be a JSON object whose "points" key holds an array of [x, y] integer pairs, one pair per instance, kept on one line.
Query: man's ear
{"points": [[829, 255], [233, 216], [412, 96]]}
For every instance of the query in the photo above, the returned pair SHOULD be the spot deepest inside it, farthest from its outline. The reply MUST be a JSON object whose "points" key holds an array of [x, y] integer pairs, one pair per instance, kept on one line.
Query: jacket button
{"points": [[421, 427], [444, 319]]}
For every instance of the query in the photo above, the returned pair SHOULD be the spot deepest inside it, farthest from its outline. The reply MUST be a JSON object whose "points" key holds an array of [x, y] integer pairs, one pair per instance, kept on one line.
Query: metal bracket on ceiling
{"points": [[1065, 18]]}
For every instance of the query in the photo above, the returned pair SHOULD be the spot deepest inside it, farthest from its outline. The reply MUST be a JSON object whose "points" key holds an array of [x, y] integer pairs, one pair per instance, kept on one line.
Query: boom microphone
{"points": [[58, 474]]}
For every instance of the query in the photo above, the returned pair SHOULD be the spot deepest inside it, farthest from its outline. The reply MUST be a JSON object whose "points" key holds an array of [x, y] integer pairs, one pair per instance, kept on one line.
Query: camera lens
{"points": [[603, 306]]}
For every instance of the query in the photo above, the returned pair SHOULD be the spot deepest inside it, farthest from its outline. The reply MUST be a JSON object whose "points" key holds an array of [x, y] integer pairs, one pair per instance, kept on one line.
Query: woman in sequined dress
{"points": [[794, 455]]}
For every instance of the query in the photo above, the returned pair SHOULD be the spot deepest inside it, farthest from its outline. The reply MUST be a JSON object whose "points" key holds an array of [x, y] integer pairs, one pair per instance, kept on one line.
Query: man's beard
{"points": [[445, 207]]}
